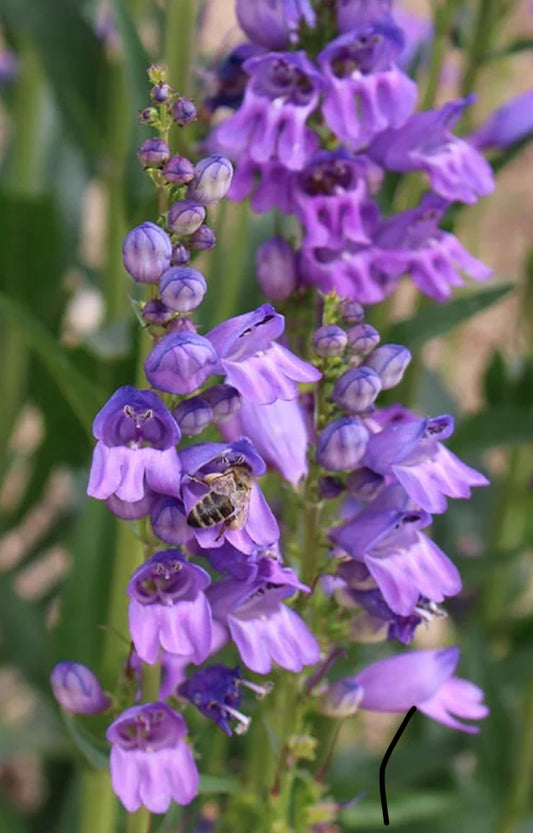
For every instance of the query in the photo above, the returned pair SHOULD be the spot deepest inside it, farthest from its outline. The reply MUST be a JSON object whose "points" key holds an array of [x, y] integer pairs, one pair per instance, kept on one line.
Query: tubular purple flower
{"points": [[193, 415], [357, 389], [329, 340], [185, 216], [363, 338], [225, 401], [151, 763], [153, 153], [77, 689], [274, 23], [167, 516], [180, 362], [136, 447], [184, 111], [260, 369], [212, 179], [509, 124], [390, 362], [216, 693], [203, 239], [230, 79], [456, 170], [146, 252], [182, 288], [168, 608], [283, 91], [353, 13], [342, 444], [179, 170], [365, 484], [275, 269], [367, 93]]}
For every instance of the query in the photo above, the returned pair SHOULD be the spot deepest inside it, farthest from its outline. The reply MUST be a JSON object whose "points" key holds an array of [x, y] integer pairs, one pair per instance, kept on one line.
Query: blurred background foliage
{"points": [[72, 77]]}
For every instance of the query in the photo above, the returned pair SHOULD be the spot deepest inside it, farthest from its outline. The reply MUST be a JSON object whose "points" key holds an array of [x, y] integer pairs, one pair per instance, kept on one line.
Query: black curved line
{"points": [[385, 761]]}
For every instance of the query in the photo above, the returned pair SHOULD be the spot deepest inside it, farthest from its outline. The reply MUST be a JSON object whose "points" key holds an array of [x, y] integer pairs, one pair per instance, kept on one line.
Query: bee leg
{"points": [[197, 479], [225, 525]]}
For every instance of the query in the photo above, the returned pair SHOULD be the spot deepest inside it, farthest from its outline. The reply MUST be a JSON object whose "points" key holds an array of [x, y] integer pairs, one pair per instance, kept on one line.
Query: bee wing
{"points": [[240, 516]]}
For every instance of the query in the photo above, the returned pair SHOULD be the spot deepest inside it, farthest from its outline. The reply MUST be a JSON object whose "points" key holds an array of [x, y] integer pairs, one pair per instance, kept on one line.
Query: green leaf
{"points": [[436, 320], [501, 426], [512, 48], [82, 396], [23, 634], [219, 784], [402, 809]]}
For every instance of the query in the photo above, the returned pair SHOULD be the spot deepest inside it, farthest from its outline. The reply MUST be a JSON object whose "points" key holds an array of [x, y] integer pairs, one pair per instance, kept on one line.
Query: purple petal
{"points": [[459, 697]]}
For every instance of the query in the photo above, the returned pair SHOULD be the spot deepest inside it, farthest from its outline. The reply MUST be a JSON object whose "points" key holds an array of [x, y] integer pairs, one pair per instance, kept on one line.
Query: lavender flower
{"points": [[153, 153], [180, 362], [151, 763], [136, 437], [274, 23], [184, 111], [146, 252], [225, 401], [342, 444], [363, 338], [168, 608], [193, 415], [390, 362], [182, 288], [275, 269], [353, 13], [212, 179], [329, 341], [185, 216], [509, 124], [357, 389], [77, 689], [179, 170]]}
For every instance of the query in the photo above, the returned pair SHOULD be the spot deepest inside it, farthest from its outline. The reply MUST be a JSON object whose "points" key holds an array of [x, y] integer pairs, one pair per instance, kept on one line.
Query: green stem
{"points": [[180, 43], [139, 822], [482, 34], [519, 795], [98, 803]]}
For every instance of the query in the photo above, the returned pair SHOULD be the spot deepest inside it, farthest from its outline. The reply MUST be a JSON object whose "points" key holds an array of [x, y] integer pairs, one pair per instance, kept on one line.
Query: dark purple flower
{"points": [[363, 338], [357, 389], [418, 678], [225, 401], [180, 362], [367, 93], [193, 415], [212, 179], [390, 362], [179, 170], [275, 269], [153, 153], [77, 689], [168, 608], [136, 447], [231, 79], [216, 693], [185, 216], [353, 13], [182, 288], [274, 23], [263, 628], [146, 252], [161, 92], [257, 525], [184, 111], [180, 255], [239, 565], [342, 444], [254, 363], [156, 312], [203, 239], [507, 125], [151, 763], [269, 182], [283, 91], [365, 484], [456, 170]]}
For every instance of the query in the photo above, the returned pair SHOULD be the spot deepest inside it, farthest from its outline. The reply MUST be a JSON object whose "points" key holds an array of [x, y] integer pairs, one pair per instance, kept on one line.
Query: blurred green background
{"points": [[70, 187]]}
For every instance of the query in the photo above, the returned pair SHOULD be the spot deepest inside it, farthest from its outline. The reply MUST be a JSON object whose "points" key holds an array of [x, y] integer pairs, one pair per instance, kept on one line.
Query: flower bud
{"points": [[156, 312], [341, 698], [180, 255], [153, 153], [193, 415], [390, 361], [146, 252], [182, 288], [184, 111], [342, 444], [157, 74], [224, 400], [212, 179], [363, 338], [148, 115], [77, 689], [161, 92], [179, 170], [275, 269], [185, 216], [352, 312], [364, 483], [180, 362], [329, 341], [357, 389], [203, 239]]}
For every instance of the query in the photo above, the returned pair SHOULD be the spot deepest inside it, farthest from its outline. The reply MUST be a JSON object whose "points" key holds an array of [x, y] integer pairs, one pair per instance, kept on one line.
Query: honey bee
{"points": [[227, 500]]}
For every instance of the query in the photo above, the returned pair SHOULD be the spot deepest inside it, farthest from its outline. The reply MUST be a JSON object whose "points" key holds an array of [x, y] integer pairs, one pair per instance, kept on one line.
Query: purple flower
{"points": [[224, 400], [507, 125], [269, 181], [367, 93], [212, 179], [77, 689], [146, 252], [136, 447], [342, 444], [180, 362], [352, 13], [390, 362], [203, 239], [151, 763], [184, 111], [167, 516], [274, 23], [418, 678], [283, 91], [263, 628], [279, 432], [260, 369], [182, 288], [168, 608], [230, 79], [185, 216], [363, 338], [153, 153], [216, 693], [329, 197], [193, 415], [179, 170], [155, 312], [329, 341], [257, 525], [275, 269], [408, 449], [456, 170], [357, 389]]}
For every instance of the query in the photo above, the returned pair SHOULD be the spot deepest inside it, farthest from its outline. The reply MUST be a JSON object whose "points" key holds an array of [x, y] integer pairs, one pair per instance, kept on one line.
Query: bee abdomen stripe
{"points": [[212, 509]]}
